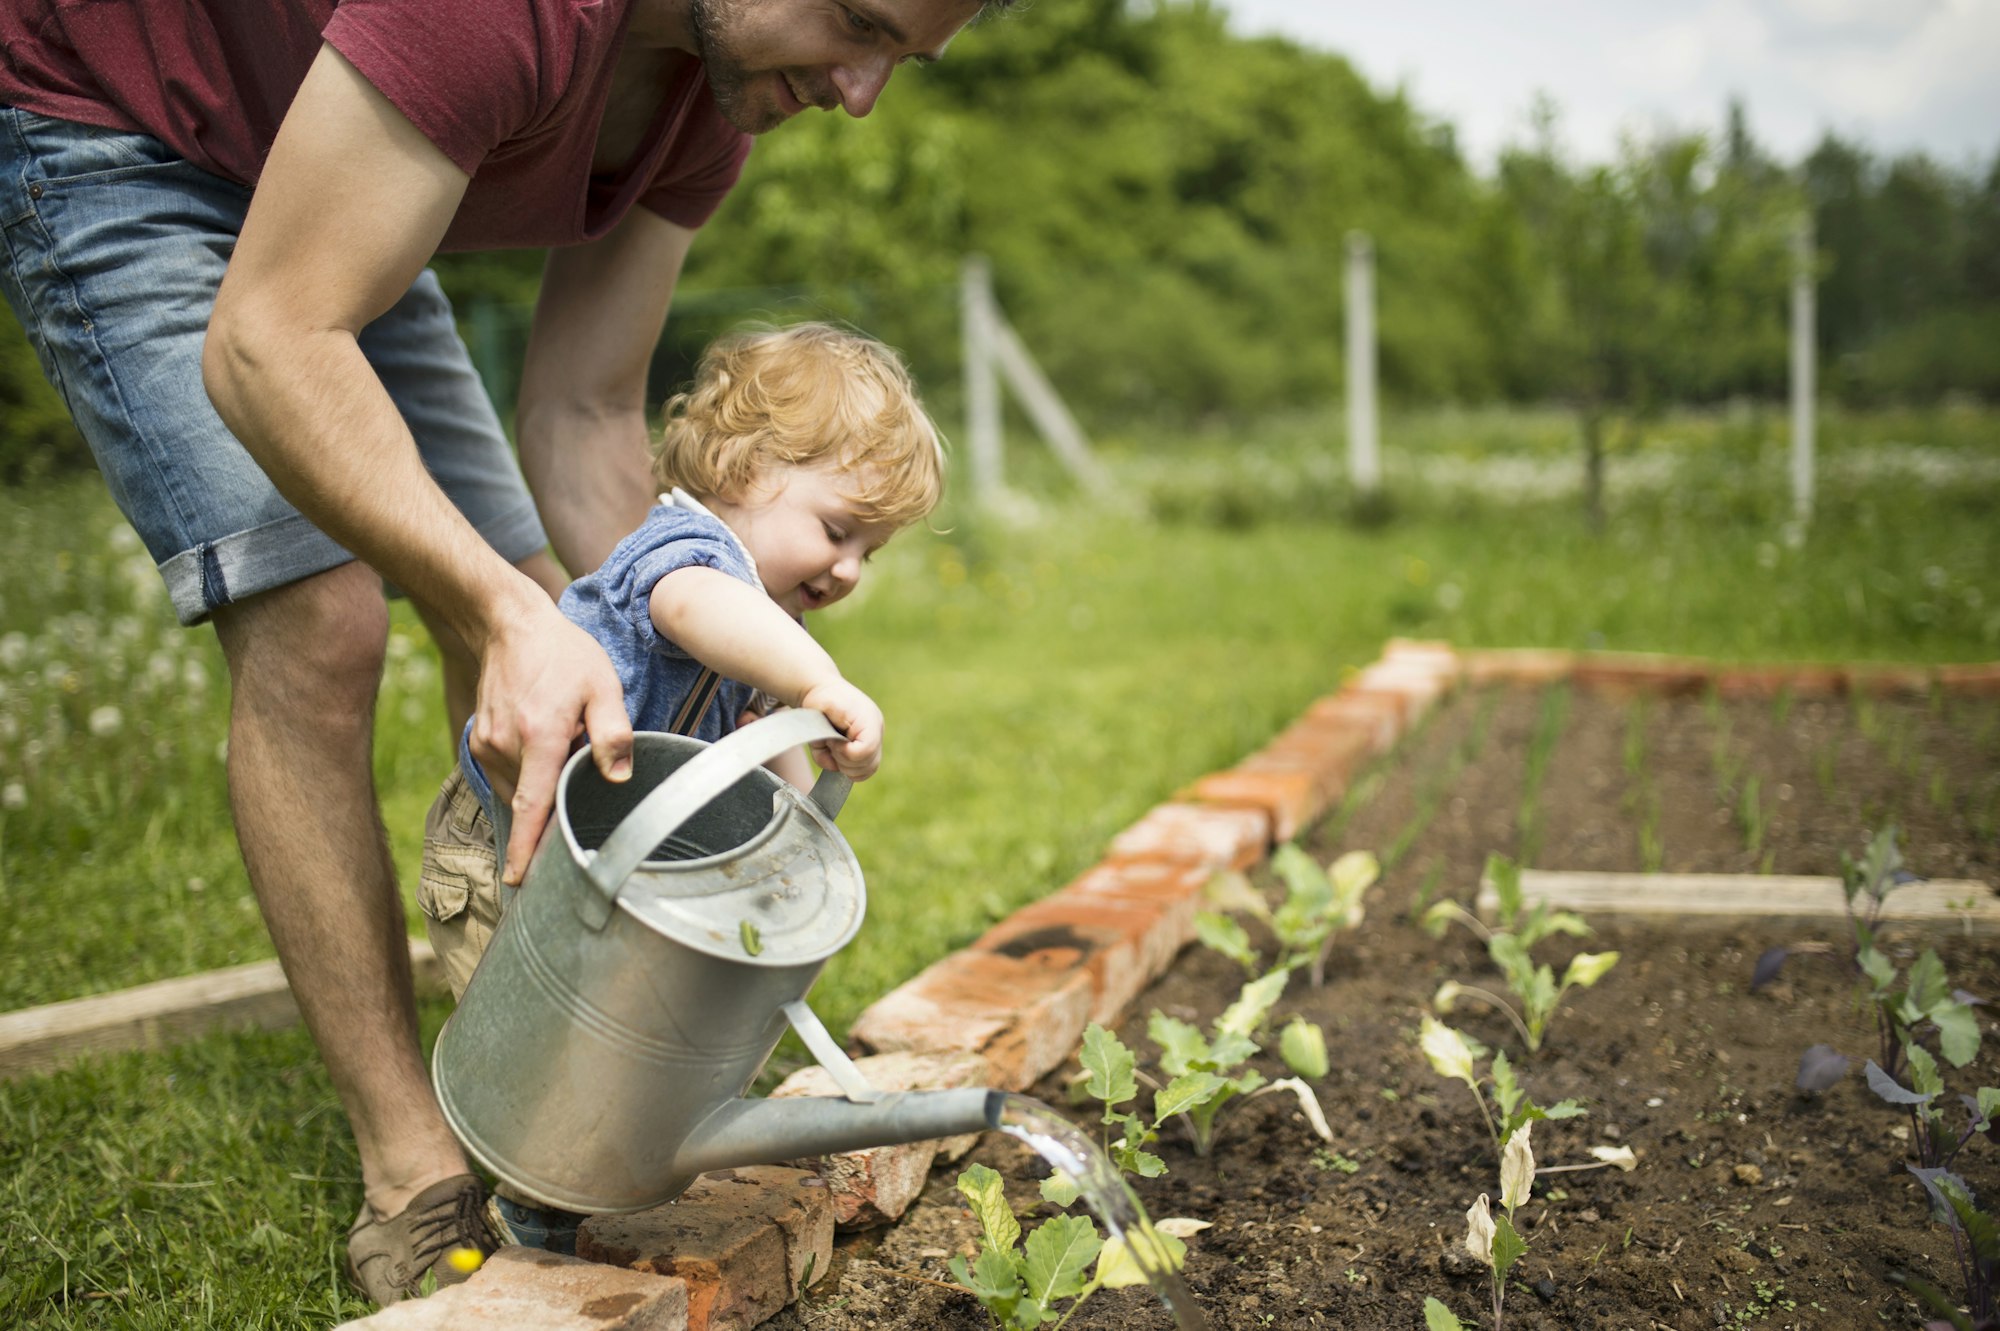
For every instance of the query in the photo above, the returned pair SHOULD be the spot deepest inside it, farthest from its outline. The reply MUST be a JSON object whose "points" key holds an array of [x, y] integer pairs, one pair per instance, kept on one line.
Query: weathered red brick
{"points": [[1890, 681], [1770, 681], [524, 1287], [1217, 838], [1023, 1015], [1980, 679], [1532, 666], [1290, 792], [1379, 718], [743, 1240], [1419, 688], [877, 1185], [1635, 675], [1123, 945], [1438, 657], [1172, 889]]}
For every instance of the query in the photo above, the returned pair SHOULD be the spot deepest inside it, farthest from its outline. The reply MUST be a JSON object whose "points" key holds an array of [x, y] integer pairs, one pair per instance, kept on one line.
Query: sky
{"points": [[1895, 74]]}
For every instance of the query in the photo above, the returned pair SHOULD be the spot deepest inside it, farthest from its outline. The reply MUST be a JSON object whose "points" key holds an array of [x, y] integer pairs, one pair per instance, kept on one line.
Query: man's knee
{"points": [[315, 645]]}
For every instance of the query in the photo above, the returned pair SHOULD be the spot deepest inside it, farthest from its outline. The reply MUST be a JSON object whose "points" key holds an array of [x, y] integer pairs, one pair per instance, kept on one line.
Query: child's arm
{"points": [[737, 631]]}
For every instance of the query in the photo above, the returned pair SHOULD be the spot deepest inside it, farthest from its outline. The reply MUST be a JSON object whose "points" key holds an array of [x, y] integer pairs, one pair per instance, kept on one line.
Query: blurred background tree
{"points": [[1164, 204]]}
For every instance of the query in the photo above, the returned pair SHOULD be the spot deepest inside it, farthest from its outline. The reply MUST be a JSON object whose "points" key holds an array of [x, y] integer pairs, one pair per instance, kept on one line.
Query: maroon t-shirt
{"points": [[512, 91]]}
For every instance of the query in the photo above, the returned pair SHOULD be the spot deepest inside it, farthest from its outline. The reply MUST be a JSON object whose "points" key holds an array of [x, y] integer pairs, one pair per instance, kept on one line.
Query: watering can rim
{"points": [[825, 799]]}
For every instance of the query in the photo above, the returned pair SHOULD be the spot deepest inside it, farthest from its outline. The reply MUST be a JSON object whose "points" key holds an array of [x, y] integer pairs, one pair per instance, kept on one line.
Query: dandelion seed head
{"points": [[106, 721], [13, 795]]}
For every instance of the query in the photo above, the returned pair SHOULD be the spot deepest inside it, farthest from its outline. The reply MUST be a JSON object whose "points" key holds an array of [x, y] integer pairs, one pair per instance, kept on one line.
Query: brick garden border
{"points": [[1012, 1006]]}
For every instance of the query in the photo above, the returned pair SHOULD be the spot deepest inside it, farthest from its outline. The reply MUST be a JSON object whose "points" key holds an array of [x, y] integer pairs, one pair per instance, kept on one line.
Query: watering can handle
{"points": [[705, 776]]}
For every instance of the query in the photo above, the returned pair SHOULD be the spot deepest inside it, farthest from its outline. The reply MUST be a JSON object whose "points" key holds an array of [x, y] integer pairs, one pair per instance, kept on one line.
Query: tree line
{"points": [[1165, 204]]}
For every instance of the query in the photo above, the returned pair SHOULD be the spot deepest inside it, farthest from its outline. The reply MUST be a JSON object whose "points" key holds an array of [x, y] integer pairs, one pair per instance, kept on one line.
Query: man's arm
{"points": [[582, 410], [352, 203], [739, 632]]}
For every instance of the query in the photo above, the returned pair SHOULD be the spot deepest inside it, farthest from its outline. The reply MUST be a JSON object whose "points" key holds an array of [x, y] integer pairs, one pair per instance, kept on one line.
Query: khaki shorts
{"points": [[458, 889]]}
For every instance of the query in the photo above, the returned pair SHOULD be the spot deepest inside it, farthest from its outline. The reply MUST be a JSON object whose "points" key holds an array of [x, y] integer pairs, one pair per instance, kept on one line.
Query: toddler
{"points": [[794, 457]]}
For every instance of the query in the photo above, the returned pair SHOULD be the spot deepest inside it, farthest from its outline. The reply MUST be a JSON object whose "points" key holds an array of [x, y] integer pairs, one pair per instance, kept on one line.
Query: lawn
{"points": [[1045, 683]]}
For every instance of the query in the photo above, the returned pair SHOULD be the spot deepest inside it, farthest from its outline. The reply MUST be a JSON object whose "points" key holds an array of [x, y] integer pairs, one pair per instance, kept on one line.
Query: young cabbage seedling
{"points": [[1319, 903], [1114, 1080], [1019, 1281], [1455, 1056], [1533, 984], [1492, 1238], [1207, 1072]]}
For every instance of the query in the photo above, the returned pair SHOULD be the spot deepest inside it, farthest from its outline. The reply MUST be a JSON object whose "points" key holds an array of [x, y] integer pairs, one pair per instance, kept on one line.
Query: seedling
{"points": [[1455, 1056], [1750, 815], [1206, 1074], [1492, 1238], [1533, 984], [1541, 749], [1904, 1005], [1975, 1238], [1318, 904], [1019, 1282]]}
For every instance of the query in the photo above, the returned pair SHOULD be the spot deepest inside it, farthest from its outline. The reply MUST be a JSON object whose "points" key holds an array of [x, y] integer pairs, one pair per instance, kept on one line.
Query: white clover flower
{"points": [[122, 538], [194, 675], [106, 721], [13, 795], [161, 667], [1517, 1168], [1479, 1230]]}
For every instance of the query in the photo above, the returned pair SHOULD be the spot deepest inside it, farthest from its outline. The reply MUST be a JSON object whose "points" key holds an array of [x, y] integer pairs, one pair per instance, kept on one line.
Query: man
{"points": [[320, 155]]}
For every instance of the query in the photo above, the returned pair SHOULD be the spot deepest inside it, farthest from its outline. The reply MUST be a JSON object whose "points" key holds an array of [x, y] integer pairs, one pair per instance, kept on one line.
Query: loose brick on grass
{"points": [[525, 1287], [1023, 1015], [742, 1240], [877, 1185]]}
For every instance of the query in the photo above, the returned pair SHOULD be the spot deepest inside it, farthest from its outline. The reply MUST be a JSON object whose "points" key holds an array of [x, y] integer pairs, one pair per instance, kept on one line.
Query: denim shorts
{"points": [[114, 248]]}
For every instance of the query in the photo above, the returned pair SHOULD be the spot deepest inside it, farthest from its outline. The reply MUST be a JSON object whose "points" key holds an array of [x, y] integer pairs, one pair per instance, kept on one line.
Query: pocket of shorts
{"points": [[65, 151], [448, 880]]}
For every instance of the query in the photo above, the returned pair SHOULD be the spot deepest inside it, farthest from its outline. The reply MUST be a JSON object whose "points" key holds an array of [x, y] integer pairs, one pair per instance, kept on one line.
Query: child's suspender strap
{"points": [[688, 719]]}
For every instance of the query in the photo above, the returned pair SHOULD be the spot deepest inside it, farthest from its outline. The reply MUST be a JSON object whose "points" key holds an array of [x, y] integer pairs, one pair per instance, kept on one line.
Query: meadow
{"points": [[1047, 678]]}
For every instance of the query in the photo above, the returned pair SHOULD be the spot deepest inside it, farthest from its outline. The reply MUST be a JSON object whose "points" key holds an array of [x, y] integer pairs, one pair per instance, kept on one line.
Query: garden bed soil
{"points": [[1752, 1205]]}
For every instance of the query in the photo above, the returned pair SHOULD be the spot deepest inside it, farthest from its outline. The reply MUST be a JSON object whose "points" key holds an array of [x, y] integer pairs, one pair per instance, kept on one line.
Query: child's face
{"points": [[809, 542]]}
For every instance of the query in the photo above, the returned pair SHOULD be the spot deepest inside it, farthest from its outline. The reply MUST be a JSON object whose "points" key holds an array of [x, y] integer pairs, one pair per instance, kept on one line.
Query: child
{"points": [[794, 457]]}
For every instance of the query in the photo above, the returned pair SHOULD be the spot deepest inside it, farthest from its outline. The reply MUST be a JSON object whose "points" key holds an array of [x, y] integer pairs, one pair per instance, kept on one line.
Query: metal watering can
{"points": [[666, 933]]}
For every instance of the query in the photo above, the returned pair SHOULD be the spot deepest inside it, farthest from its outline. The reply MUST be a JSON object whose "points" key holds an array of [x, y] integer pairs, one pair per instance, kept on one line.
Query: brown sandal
{"points": [[387, 1260]]}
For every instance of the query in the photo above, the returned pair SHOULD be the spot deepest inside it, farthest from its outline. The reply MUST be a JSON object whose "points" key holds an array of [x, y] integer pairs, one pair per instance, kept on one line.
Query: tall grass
{"points": [[1045, 684]]}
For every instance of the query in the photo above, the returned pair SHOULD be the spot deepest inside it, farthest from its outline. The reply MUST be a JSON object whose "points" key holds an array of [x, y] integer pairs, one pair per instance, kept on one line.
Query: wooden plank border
{"points": [[152, 1016]]}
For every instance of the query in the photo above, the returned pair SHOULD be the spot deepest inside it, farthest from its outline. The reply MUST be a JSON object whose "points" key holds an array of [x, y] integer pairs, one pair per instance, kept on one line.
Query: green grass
{"points": [[1045, 685]]}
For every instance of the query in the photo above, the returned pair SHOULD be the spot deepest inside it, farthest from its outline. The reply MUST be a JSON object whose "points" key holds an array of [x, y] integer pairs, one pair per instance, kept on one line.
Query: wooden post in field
{"points": [[1364, 462], [982, 387], [1804, 386], [994, 351]]}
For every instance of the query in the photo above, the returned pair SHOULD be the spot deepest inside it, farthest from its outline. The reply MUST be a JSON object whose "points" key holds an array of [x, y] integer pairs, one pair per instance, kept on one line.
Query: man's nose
{"points": [[860, 83]]}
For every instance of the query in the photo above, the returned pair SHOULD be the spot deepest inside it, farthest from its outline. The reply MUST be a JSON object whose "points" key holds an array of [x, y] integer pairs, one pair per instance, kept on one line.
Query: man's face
{"points": [[767, 60]]}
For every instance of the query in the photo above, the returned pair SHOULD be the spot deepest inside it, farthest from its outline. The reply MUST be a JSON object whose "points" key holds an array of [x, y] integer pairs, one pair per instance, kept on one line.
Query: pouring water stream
{"points": [[1071, 1150]]}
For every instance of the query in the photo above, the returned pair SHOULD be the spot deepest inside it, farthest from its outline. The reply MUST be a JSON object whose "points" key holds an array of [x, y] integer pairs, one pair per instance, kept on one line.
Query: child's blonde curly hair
{"points": [[794, 396]]}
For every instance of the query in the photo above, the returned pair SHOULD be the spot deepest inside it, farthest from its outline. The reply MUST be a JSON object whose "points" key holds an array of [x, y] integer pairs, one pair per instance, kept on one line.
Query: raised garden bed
{"points": [[1752, 1203]]}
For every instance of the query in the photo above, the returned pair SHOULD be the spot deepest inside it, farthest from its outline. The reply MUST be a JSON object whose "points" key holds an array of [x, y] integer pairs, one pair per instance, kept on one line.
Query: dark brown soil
{"points": [[1753, 1205]]}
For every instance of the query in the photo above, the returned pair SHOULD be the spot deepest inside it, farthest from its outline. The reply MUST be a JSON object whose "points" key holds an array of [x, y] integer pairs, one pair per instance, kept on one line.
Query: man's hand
{"points": [[855, 714], [543, 684]]}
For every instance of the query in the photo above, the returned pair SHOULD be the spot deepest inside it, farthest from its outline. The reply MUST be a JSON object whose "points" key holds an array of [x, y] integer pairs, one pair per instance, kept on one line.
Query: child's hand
{"points": [[855, 713]]}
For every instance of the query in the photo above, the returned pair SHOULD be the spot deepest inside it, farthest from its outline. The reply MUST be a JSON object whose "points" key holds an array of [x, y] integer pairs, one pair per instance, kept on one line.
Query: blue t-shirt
{"points": [[613, 605]]}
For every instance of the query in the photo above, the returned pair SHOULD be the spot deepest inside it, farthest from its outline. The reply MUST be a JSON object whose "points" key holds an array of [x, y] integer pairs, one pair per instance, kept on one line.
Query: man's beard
{"points": [[728, 81]]}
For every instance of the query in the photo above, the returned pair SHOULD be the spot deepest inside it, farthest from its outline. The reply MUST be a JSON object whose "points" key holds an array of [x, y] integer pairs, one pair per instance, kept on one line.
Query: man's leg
{"points": [[305, 661]]}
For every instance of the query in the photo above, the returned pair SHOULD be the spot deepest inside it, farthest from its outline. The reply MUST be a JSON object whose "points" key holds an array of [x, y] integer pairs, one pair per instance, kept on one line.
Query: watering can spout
{"points": [[756, 1132]]}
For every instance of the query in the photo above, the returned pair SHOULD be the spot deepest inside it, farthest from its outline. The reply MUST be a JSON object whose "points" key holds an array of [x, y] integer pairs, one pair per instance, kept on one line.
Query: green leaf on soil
{"points": [[982, 1188], [1059, 1252], [1185, 1092], [1110, 1065]]}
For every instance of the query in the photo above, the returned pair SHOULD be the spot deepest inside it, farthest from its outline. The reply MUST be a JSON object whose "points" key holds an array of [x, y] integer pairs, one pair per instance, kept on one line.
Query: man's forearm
{"points": [[310, 409], [590, 473]]}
